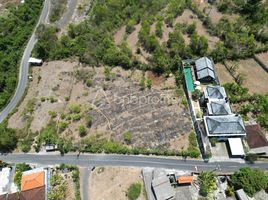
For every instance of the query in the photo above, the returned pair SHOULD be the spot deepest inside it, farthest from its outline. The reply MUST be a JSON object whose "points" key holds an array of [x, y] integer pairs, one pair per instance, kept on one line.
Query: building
{"points": [[241, 195], [34, 184], [162, 188], [224, 126], [185, 179], [214, 93], [218, 108], [236, 147], [205, 71], [4, 177], [256, 139]]}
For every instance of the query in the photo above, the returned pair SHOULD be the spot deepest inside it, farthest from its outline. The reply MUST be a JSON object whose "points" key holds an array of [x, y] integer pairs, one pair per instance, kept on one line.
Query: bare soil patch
{"points": [[256, 78], [5, 3], [189, 17], [155, 117], [113, 182], [263, 57], [119, 35], [223, 74]]}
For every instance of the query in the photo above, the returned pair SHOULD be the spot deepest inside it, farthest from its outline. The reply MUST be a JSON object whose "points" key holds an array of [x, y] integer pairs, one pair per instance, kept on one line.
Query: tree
{"points": [[207, 183], [199, 45], [8, 139], [251, 180], [20, 167]]}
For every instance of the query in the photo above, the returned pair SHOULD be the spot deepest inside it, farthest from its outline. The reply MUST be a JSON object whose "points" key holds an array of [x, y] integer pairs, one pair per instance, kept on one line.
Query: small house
{"points": [[205, 71]]}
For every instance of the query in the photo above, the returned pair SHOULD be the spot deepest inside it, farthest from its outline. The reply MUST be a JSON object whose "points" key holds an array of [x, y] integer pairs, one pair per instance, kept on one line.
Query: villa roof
{"points": [[33, 180], [204, 68], [227, 125], [219, 108], [215, 93]]}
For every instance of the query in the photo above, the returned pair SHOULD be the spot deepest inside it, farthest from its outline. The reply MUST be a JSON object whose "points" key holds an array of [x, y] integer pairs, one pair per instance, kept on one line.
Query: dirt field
{"points": [[155, 117], [5, 3], [189, 17], [256, 78], [223, 74], [113, 182], [263, 57]]}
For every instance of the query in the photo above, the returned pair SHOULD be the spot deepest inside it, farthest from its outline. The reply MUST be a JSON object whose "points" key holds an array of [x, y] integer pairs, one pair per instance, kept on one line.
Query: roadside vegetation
{"points": [[15, 28], [57, 9], [134, 191]]}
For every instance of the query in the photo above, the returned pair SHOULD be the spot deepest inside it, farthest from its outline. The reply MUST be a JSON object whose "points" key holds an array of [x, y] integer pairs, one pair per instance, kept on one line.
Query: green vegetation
{"points": [[134, 191], [82, 130], [207, 183], [15, 28], [128, 137], [196, 94], [251, 180], [20, 168], [57, 9], [58, 187], [8, 139], [193, 149], [255, 104]]}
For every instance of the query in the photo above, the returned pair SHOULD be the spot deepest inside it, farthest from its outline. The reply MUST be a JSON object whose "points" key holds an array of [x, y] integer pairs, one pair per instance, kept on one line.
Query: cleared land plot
{"points": [[263, 57], [223, 73], [189, 17], [113, 182], [155, 117], [5, 3]]}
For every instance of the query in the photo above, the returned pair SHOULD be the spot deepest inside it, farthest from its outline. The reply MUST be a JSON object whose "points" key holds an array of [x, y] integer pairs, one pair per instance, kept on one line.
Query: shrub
{"points": [[82, 130], [134, 191], [128, 137], [196, 94], [52, 114], [89, 83], [207, 183], [130, 26], [88, 119], [74, 109], [149, 83], [62, 126]]}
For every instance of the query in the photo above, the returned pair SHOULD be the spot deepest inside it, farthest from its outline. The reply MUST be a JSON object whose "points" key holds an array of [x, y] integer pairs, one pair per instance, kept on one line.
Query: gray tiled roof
{"points": [[204, 68], [215, 92], [219, 108], [227, 125], [203, 63]]}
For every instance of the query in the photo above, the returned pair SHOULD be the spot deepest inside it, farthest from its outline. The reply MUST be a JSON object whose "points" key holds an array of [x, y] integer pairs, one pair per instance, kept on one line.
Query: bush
{"points": [[128, 137], [88, 119], [82, 130], [130, 26], [149, 83], [52, 114], [74, 109], [134, 191], [89, 83], [207, 183], [62, 126], [196, 94]]}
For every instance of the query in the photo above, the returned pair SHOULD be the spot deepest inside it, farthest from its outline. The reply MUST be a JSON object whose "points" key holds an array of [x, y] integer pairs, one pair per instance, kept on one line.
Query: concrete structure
{"points": [[241, 195], [224, 126], [219, 108], [236, 147], [4, 180], [162, 188], [205, 71]]}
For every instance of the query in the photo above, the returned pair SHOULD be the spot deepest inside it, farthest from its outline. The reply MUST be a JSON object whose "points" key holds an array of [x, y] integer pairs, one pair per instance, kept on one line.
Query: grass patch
{"points": [[134, 191]]}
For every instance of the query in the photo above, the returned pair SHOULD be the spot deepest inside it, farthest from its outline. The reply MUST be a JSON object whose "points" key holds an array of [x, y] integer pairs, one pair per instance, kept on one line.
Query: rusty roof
{"points": [[185, 179], [255, 137], [33, 180]]}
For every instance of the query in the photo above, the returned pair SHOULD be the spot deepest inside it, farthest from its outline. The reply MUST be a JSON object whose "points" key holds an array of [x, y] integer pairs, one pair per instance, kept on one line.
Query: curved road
{"points": [[24, 66], [90, 160]]}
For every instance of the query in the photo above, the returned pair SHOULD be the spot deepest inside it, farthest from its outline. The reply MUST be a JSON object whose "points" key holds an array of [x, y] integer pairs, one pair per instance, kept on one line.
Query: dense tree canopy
{"points": [[251, 180], [15, 29]]}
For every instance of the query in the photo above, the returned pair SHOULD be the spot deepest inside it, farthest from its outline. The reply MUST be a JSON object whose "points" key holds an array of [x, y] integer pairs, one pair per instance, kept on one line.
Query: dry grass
{"points": [[113, 182]]}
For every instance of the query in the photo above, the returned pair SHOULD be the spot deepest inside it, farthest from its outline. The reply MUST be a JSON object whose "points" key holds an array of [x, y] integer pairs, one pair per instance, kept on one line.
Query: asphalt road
{"points": [[24, 66], [89, 160]]}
